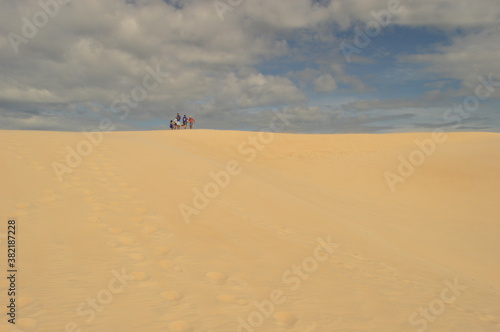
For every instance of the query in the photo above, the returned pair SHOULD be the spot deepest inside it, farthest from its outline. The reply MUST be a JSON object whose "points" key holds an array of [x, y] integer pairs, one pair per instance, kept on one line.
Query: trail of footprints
{"points": [[143, 242], [153, 261]]}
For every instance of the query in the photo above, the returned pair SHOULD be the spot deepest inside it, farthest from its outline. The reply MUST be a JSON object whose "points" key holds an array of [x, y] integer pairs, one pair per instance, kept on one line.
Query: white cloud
{"points": [[449, 14], [368, 105], [464, 59], [325, 83]]}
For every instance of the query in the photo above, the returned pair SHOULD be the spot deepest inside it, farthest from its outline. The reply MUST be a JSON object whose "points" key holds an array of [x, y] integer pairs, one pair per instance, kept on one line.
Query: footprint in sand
{"points": [[125, 240], [165, 264], [149, 229], [217, 277], [349, 267], [180, 326], [171, 296], [285, 319], [114, 230], [141, 210], [162, 250], [136, 220]]}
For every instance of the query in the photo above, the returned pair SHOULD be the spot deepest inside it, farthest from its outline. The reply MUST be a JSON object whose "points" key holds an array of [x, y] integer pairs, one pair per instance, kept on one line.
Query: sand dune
{"points": [[209, 231]]}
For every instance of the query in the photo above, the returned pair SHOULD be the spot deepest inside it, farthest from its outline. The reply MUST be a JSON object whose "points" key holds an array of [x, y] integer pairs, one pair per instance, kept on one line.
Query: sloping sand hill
{"points": [[209, 231]]}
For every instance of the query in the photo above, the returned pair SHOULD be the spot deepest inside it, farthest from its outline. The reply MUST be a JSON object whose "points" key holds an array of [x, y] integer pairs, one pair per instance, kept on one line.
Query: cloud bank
{"points": [[65, 65]]}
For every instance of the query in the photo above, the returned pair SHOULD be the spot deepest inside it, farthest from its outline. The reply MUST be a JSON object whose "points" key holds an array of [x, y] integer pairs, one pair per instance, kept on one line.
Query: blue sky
{"points": [[230, 64]]}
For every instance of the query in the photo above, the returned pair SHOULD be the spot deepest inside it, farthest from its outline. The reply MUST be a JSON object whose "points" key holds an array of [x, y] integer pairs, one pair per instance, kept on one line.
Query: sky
{"points": [[328, 66]]}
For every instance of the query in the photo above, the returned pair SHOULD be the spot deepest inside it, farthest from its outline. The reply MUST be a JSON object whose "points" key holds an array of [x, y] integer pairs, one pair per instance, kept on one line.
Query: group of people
{"points": [[184, 122]]}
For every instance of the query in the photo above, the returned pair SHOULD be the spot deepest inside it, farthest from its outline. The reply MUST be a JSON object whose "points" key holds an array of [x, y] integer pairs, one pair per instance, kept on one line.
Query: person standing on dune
{"points": [[191, 122]]}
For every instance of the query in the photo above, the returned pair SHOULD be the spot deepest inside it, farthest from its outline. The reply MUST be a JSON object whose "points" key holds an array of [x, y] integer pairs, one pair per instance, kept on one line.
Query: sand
{"points": [[207, 231]]}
